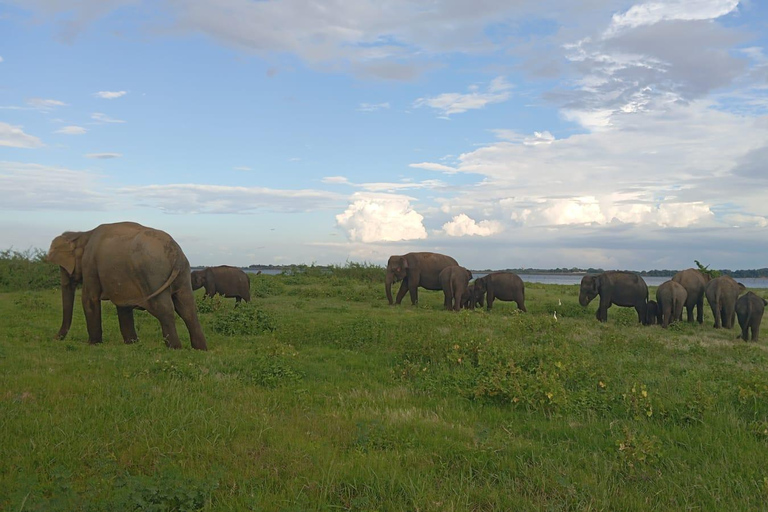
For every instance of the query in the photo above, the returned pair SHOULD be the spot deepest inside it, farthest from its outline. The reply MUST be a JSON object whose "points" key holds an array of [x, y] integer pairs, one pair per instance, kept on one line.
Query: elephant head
{"points": [[397, 270], [589, 289], [198, 279], [66, 251]]}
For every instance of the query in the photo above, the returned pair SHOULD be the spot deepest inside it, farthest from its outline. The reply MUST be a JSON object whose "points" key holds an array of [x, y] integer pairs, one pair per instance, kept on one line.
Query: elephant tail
{"points": [[160, 290]]}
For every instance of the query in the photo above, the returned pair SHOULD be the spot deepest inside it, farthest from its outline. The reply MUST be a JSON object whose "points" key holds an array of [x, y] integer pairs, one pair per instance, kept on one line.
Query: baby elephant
{"points": [[749, 310], [224, 280], [652, 312], [502, 286], [454, 281], [671, 297]]}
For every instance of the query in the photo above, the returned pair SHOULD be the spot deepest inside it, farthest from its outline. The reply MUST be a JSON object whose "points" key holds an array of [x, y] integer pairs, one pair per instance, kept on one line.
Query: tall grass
{"points": [[320, 396]]}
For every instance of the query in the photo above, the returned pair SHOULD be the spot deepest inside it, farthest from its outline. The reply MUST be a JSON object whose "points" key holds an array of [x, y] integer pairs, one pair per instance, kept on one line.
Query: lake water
{"points": [[749, 282]]}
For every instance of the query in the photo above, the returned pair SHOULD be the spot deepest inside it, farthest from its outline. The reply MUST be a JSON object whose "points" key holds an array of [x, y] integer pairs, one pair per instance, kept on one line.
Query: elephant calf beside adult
{"points": [[224, 280], [455, 281], [415, 269], [670, 297], [624, 289], [133, 266], [500, 285], [749, 310]]}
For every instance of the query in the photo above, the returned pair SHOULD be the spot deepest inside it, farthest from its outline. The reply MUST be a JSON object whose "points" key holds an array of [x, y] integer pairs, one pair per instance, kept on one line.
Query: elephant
{"points": [[224, 280], [722, 293], [502, 286], [454, 281], [671, 297], [470, 300], [694, 283], [652, 312], [415, 269], [749, 310], [625, 289], [134, 266]]}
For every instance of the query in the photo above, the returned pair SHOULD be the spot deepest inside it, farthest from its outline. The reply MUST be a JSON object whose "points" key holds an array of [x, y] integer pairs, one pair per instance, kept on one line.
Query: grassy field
{"points": [[319, 396]]}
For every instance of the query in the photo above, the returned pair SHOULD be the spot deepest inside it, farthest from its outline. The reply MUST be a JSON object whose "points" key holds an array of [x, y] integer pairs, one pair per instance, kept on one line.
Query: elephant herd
{"points": [[686, 289], [137, 267]]}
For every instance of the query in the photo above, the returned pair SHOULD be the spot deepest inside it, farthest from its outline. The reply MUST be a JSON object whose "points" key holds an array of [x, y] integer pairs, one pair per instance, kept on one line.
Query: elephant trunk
{"points": [[68, 286], [388, 286]]}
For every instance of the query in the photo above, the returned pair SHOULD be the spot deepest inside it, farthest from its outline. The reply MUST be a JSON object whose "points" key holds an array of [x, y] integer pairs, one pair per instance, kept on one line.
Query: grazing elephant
{"points": [[502, 286], [749, 310], [651, 313], [671, 297], [133, 266], [468, 298], [454, 281], [624, 289], [722, 293], [415, 269], [224, 280], [694, 283]]}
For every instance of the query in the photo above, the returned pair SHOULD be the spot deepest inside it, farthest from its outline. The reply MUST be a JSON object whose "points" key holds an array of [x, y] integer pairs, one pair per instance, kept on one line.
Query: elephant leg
{"points": [[162, 308], [716, 314], [521, 305], [413, 290], [456, 300], [92, 308], [184, 303], [127, 326], [755, 330], [402, 291], [602, 310], [490, 297]]}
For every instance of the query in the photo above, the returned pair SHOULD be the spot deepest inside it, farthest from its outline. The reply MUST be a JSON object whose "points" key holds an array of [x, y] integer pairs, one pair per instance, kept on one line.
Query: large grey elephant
{"points": [[454, 281], [133, 266], [415, 269], [722, 293], [624, 289], [500, 285], [694, 283], [670, 297], [749, 310], [224, 280]]}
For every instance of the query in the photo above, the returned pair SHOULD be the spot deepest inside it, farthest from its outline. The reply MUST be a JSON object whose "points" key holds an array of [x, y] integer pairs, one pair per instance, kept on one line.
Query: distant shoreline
{"points": [[751, 273]]}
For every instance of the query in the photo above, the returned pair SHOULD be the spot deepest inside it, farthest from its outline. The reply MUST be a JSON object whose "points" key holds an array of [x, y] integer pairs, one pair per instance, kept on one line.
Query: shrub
{"points": [[244, 319], [27, 270]]}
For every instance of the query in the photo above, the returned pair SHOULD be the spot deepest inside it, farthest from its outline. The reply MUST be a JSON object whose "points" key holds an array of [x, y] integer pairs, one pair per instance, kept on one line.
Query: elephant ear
{"points": [[405, 262], [64, 252]]}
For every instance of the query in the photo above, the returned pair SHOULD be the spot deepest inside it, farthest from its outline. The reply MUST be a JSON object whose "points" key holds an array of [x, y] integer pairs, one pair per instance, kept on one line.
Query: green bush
{"points": [[27, 270], [245, 318]]}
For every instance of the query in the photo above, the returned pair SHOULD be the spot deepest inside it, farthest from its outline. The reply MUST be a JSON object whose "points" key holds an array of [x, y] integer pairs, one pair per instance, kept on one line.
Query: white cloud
{"points": [[103, 156], [336, 180], [539, 138], [654, 12], [381, 218], [463, 225], [198, 198], [44, 104], [14, 137], [242, 168], [41, 187], [1, 59], [457, 103], [71, 130], [110, 95], [372, 107], [431, 166], [104, 118]]}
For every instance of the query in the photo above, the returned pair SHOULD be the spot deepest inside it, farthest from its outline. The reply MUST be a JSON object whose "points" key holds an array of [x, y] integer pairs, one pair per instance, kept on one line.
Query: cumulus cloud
{"points": [[14, 137], [539, 138], [457, 103], [110, 95], [103, 156], [104, 118], [463, 225], [381, 218], [71, 130]]}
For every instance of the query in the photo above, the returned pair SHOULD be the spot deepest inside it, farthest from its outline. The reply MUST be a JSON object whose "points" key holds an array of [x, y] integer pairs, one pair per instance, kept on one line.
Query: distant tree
{"points": [[704, 269]]}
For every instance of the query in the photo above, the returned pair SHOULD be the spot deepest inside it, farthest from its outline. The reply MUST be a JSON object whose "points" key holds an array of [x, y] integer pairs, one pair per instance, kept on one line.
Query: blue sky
{"points": [[506, 133]]}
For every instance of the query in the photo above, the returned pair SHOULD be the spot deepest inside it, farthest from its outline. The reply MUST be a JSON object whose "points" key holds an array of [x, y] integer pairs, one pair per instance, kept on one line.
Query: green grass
{"points": [[319, 396]]}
